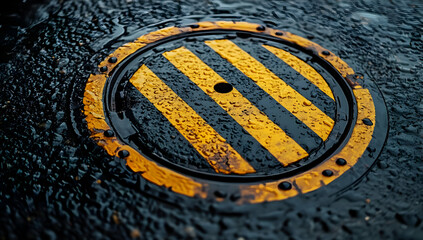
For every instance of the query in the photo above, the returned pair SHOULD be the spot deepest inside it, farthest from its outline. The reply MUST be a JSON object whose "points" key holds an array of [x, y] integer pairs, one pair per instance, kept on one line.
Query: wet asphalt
{"points": [[56, 183]]}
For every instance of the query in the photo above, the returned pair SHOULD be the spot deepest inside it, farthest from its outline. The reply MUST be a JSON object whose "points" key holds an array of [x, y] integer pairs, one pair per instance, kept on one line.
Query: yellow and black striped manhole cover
{"points": [[235, 111]]}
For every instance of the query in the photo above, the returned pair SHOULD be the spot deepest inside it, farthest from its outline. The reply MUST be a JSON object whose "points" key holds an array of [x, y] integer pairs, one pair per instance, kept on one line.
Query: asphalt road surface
{"points": [[57, 183]]}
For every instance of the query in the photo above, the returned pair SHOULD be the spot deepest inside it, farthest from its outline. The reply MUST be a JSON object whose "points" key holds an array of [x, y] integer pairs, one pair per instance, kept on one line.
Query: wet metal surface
{"points": [[57, 183], [174, 100]]}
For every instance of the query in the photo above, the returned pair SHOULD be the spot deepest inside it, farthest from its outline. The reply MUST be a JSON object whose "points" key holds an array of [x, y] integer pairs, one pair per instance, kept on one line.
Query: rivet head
{"points": [[109, 133], [327, 173], [103, 69], [341, 162], [367, 122], [285, 186], [235, 197], [123, 154], [112, 60], [261, 28], [220, 194], [326, 53]]}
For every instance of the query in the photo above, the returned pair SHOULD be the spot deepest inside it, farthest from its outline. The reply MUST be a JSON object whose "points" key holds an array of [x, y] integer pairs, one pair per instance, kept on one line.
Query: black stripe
{"points": [[157, 136], [246, 145], [290, 76], [293, 127]]}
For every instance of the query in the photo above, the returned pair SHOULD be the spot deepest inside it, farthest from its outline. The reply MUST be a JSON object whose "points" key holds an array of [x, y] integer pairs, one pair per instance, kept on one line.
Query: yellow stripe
{"points": [[302, 68], [255, 122], [293, 101], [213, 147]]}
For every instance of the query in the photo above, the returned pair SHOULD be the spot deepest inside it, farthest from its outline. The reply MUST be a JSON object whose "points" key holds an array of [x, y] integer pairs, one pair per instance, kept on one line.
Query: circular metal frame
{"points": [[353, 149], [123, 122]]}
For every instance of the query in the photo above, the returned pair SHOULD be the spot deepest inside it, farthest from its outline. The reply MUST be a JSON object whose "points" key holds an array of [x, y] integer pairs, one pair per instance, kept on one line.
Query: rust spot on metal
{"points": [[352, 80]]}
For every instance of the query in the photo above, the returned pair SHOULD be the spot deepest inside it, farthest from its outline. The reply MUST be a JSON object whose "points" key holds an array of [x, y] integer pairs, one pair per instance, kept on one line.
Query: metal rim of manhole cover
{"points": [[235, 111]]}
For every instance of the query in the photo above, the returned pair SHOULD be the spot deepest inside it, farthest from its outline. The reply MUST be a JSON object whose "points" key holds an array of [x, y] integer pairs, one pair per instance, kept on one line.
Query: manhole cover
{"points": [[234, 110]]}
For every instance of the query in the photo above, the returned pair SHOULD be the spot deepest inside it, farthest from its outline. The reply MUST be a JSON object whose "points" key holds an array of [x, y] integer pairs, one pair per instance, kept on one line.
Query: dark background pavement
{"points": [[57, 183]]}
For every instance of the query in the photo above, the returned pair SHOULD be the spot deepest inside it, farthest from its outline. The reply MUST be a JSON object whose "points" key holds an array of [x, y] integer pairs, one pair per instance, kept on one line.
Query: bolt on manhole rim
{"points": [[300, 115]]}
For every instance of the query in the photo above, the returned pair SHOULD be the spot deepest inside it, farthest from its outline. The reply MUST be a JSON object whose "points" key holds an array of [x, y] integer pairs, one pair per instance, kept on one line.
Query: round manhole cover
{"points": [[234, 110]]}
